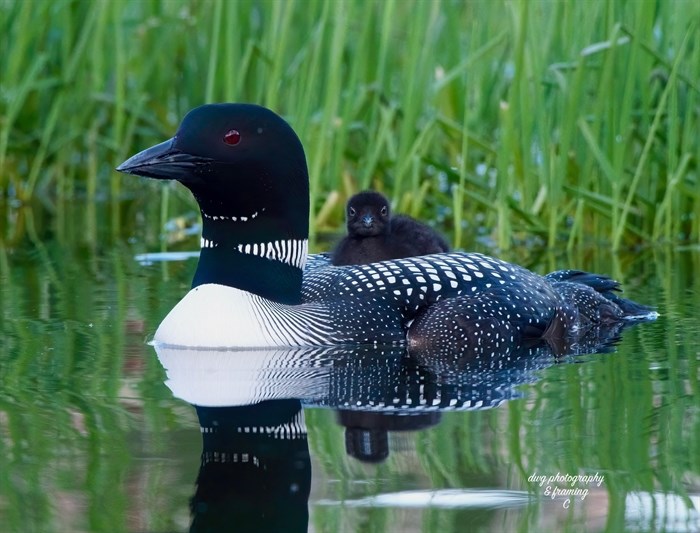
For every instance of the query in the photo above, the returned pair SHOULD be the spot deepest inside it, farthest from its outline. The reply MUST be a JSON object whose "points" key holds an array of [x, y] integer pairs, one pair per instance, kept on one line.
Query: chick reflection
{"points": [[255, 473], [367, 432]]}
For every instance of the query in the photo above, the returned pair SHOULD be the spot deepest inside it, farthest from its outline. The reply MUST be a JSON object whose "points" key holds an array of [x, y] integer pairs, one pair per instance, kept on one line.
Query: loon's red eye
{"points": [[232, 137]]}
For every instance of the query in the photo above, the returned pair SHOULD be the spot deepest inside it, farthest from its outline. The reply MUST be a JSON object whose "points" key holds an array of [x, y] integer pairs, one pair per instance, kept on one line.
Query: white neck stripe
{"points": [[290, 251], [207, 243]]}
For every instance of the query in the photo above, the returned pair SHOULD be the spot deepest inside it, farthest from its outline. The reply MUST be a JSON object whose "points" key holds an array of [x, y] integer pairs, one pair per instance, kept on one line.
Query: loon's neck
{"points": [[238, 252]]}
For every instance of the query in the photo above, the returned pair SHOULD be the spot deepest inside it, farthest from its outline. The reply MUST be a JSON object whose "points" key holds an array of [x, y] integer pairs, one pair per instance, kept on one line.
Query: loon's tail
{"points": [[607, 288]]}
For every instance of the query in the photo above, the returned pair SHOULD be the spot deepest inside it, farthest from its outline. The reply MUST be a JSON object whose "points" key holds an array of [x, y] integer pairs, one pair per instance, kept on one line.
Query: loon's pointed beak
{"points": [[367, 221], [163, 161]]}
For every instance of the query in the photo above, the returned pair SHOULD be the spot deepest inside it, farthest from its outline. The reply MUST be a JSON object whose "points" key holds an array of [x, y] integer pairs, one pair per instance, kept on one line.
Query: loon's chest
{"points": [[218, 316], [213, 316]]}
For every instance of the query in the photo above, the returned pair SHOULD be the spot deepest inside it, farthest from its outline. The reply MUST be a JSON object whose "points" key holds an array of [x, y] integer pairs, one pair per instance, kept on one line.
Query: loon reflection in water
{"points": [[255, 466]]}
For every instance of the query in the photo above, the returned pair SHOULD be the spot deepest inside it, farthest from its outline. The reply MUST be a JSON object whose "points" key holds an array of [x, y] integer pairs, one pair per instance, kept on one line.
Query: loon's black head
{"points": [[368, 214], [247, 170], [243, 164]]}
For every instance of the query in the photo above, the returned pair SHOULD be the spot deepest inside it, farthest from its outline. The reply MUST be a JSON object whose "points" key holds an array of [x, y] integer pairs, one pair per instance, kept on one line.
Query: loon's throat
{"points": [[237, 251]]}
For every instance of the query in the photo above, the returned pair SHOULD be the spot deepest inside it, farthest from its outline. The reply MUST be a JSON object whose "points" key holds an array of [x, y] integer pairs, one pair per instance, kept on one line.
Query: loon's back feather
{"points": [[365, 300], [463, 302]]}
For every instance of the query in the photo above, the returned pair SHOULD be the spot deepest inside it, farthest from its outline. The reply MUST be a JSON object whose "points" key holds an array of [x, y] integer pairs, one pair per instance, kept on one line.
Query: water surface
{"points": [[98, 431]]}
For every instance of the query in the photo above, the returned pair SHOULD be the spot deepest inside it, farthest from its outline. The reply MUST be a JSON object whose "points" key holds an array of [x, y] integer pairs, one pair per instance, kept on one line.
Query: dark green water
{"points": [[92, 437]]}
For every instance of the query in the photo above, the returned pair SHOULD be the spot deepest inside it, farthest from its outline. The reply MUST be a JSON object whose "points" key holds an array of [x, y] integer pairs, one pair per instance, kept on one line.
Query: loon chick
{"points": [[247, 170], [375, 235]]}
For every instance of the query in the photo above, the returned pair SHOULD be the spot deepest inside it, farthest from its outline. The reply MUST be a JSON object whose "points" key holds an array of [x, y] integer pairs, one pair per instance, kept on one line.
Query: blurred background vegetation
{"points": [[503, 122]]}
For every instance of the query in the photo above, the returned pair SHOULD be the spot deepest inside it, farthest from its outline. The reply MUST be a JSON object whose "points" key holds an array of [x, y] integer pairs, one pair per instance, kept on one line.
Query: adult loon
{"points": [[247, 170], [375, 235]]}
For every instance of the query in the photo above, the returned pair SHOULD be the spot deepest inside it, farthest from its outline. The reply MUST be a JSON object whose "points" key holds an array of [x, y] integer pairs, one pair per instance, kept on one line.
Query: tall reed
{"points": [[571, 121]]}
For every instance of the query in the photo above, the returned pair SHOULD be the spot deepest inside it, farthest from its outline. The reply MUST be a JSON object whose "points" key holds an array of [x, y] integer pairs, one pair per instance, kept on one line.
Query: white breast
{"points": [[213, 316], [217, 316]]}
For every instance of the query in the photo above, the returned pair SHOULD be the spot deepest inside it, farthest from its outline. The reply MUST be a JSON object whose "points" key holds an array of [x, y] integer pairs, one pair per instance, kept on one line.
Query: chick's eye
{"points": [[351, 211], [384, 211], [232, 137]]}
